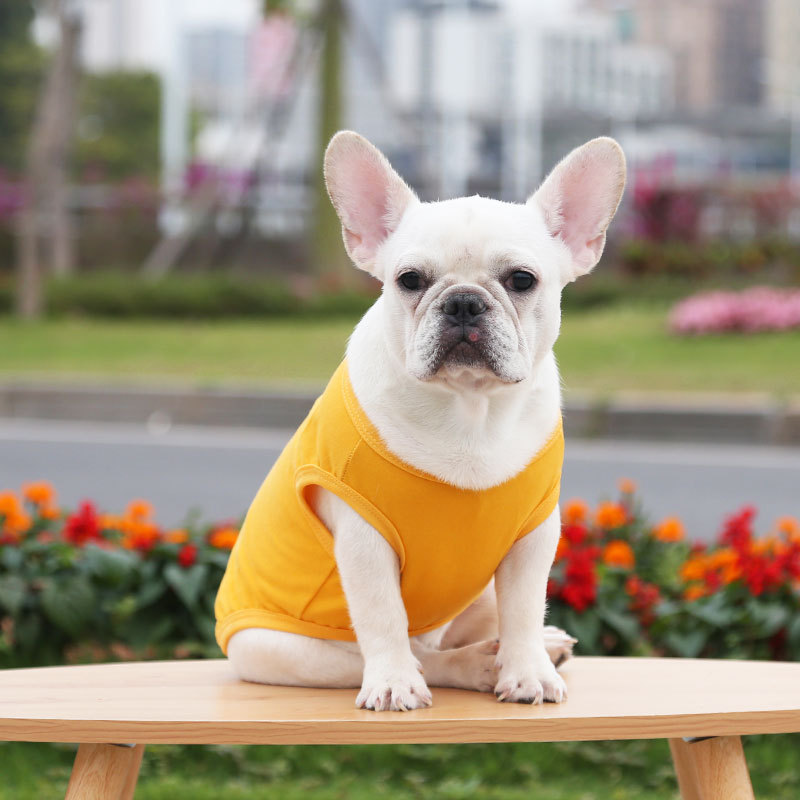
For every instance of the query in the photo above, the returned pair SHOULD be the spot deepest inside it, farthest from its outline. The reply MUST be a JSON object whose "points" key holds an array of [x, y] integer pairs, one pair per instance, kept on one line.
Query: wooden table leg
{"points": [[711, 769], [105, 772]]}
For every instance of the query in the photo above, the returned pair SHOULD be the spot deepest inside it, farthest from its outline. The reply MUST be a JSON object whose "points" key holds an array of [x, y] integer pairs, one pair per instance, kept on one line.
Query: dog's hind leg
{"points": [[261, 655], [479, 622], [475, 623]]}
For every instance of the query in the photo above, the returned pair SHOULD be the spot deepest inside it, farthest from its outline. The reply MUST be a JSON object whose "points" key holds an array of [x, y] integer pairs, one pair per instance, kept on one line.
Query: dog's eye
{"points": [[520, 281], [411, 280]]}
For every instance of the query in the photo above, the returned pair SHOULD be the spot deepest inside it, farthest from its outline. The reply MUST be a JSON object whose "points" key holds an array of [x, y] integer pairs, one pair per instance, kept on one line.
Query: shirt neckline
{"points": [[369, 433]]}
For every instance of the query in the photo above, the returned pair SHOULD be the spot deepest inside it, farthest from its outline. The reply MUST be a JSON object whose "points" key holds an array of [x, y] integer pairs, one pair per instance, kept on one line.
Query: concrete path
{"points": [[218, 470]]}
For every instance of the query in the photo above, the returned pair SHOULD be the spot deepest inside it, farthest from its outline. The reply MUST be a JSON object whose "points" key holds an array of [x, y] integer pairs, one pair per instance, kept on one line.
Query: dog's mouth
{"points": [[464, 349], [465, 354]]}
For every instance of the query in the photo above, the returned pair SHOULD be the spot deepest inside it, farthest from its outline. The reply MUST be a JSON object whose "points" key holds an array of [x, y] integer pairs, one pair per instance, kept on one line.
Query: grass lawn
{"points": [[568, 771], [599, 352]]}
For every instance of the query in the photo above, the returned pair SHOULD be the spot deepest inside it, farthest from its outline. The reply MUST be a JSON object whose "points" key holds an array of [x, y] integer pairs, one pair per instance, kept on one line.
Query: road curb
{"points": [[617, 418]]}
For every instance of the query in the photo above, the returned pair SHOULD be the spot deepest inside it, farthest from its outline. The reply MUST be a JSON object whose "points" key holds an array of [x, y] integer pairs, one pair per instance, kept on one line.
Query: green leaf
{"points": [[794, 632], [150, 592], [69, 604], [714, 610], [112, 567], [11, 558], [769, 617], [206, 627], [686, 645], [187, 583], [12, 593], [141, 632], [624, 625], [585, 628]]}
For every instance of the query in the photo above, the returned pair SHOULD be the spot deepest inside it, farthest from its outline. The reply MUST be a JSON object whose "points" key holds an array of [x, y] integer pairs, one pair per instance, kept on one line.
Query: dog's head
{"points": [[472, 286]]}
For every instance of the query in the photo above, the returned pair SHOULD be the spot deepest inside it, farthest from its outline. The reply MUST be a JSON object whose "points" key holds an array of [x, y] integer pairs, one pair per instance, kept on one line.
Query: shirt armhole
{"points": [[541, 512], [311, 475]]}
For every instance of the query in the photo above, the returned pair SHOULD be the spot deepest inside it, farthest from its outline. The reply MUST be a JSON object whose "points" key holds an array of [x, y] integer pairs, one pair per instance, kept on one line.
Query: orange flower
{"points": [[765, 546], [224, 538], [112, 522], [20, 522], [177, 536], [561, 549], [9, 503], [619, 554], [15, 520], [141, 536], [48, 511], [789, 527], [694, 569], [39, 493], [730, 573], [723, 557], [694, 592], [575, 512], [139, 510], [669, 530], [627, 486], [610, 515]]}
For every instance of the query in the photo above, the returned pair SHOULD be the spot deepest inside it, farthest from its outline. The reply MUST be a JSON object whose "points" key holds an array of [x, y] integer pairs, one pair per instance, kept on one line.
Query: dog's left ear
{"points": [[579, 198], [368, 195]]}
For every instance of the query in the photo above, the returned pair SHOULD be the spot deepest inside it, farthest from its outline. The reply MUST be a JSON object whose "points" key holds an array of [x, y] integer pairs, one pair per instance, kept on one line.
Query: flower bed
{"points": [[86, 586], [749, 311]]}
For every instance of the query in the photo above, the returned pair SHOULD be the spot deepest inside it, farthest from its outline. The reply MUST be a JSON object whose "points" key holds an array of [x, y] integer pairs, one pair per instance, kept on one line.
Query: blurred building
{"points": [[782, 54], [506, 88], [464, 95], [717, 47]]}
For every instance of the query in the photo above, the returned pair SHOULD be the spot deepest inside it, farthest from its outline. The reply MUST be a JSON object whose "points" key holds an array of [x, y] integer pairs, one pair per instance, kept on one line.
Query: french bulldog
{"points": [[453, 368]]}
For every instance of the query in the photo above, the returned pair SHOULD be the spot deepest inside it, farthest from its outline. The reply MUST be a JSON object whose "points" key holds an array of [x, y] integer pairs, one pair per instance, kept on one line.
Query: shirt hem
{"points": [[272, 620]]}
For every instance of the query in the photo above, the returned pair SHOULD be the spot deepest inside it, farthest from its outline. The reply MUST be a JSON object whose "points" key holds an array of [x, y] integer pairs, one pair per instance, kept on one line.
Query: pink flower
{"points": [[757, 309]]}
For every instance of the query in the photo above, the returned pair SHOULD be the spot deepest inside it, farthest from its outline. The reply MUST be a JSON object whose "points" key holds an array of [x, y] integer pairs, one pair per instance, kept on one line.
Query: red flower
{"points": [[83, 526], [187, 555], [644, 597], [580, 597], [737, 530], [580, 578], [574, 533]]}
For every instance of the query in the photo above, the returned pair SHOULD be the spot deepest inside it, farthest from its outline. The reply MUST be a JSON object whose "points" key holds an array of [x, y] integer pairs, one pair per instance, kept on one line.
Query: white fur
{"points": [[473, 425]]}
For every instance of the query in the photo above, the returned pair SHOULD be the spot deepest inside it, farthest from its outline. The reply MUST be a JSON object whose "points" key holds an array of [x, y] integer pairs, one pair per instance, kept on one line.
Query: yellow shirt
{"points": [[449, 541]]}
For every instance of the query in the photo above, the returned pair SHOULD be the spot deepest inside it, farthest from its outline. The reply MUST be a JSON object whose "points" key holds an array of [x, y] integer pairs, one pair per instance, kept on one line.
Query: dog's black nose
{"points": [[463, 308]]}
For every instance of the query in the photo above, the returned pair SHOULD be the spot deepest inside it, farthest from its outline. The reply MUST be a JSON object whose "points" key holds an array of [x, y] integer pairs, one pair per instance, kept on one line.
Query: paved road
{"points": [[217, 471]]}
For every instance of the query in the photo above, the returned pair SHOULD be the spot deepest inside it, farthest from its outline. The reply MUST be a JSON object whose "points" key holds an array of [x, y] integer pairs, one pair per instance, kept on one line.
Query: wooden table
{"points": [[113, 710]]}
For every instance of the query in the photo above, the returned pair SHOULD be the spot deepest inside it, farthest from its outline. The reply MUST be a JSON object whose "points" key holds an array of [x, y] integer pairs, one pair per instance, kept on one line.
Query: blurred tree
{"points": [[21, 64], [328, 255], [44, 231], [118, 125]]}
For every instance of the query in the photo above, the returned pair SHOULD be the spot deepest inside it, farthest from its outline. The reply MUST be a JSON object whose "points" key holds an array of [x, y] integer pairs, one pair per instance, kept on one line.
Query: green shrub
{"points": [[88, 586], [193, 296]]}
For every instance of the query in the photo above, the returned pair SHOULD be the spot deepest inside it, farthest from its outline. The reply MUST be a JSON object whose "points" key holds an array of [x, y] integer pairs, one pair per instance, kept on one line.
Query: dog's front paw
{"points": [[532, 679], [389, 687]]}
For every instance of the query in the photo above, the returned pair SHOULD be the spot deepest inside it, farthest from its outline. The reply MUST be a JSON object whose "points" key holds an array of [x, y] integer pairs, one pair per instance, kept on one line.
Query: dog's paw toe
{"points": [[554, 689], [558, 644], [402, 691], [525, 690], [534, 681]]}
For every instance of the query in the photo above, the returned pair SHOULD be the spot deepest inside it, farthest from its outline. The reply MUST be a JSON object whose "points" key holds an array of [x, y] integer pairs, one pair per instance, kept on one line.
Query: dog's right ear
{"points": [[368, 195]]}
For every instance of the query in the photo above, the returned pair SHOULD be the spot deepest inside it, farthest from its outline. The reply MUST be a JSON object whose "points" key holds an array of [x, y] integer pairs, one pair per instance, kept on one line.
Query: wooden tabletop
{"points": [[196, 702]]}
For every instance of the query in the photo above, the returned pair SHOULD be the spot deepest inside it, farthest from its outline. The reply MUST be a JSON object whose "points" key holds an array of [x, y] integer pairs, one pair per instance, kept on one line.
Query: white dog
{"points": [[426, 451]]}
